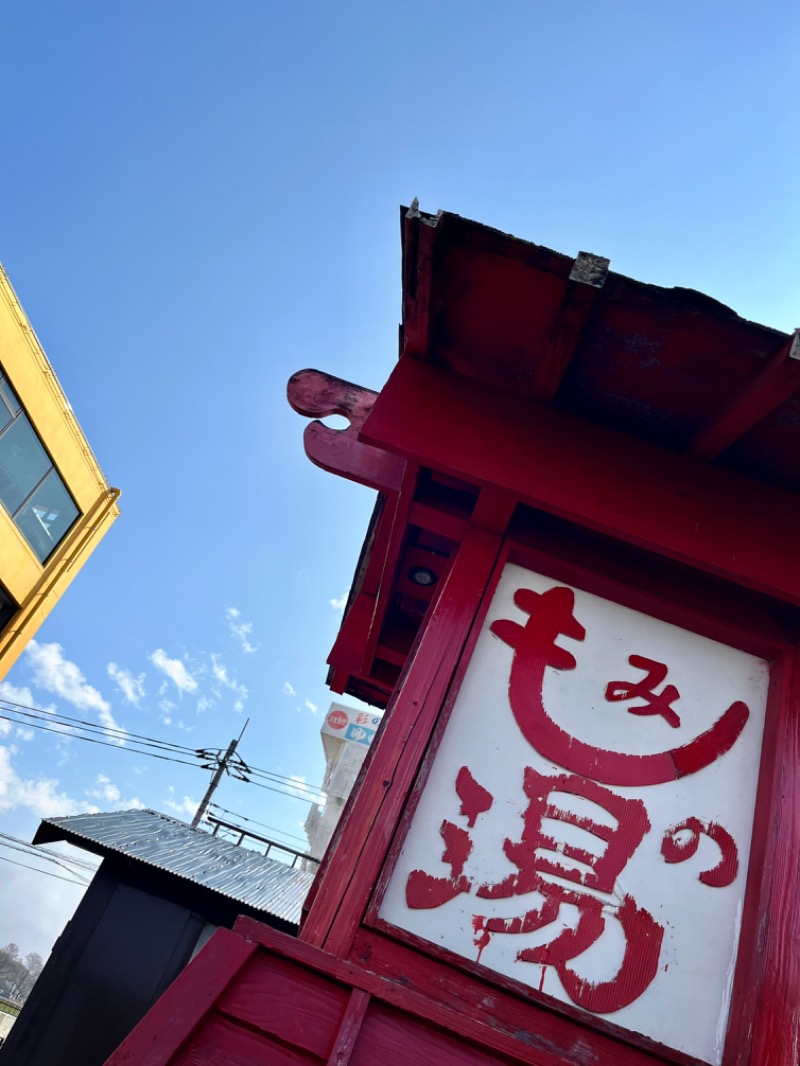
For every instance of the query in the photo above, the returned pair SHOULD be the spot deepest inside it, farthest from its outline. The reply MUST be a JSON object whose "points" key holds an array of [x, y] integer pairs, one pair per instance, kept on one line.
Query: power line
{"points": [[46, 873], [32, 849], [120, 739], [315, 794], [103, 743], [283, 792], [109, 731], [255, 821], [46, 858]]}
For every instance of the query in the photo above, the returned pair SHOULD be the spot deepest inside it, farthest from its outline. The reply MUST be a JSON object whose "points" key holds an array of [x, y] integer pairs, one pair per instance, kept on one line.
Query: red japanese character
{"points": [[643, 935], [551, 615], [424, 891], [654, 703], [603, 870], [675, 850]]}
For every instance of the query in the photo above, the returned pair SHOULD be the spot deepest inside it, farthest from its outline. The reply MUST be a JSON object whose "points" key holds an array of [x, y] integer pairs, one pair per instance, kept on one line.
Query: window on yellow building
{"points": [[31, 489]]}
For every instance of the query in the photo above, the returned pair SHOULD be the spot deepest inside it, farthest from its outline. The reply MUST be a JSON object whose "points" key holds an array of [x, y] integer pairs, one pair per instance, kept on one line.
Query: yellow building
{"points": [[55, 503]]}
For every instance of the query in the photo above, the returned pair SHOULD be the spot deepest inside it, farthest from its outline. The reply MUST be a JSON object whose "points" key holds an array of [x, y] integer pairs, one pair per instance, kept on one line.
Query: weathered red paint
{"points": [[675, 850]]}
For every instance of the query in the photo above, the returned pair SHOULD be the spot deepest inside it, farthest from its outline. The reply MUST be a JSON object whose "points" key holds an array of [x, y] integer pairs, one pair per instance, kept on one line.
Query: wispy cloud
{"points": [[38, 795], [340, 604], [54, 673], [311, 706], [23, 697], [104, 789], [132, 688], [175, 670], [289, 689], [243, 631], [185, 806], [220, 674]]}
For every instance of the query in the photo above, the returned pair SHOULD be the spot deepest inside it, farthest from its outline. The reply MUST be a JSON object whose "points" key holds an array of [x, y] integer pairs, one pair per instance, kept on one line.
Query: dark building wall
{"points": [[114, 959]]}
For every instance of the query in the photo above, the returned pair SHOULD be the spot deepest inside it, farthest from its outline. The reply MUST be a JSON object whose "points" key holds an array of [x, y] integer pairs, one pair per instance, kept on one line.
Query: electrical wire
{"points": [[106, 744], [54, 856], [284, 792], [108, 731], [255, 821], [315, 794], [136, 744], [47, 873], [46, 858]]}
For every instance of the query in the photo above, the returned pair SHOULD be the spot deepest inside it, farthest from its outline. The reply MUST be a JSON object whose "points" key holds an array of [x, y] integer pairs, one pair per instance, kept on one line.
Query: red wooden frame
{"points": [[768, 974]]}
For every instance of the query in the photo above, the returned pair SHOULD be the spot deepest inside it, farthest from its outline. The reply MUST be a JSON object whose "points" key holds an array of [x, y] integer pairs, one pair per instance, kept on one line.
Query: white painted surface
{"points": [[686, 1005]]}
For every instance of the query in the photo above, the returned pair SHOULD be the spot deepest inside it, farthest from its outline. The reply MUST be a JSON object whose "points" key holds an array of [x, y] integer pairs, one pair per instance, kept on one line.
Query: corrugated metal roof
{"points": [[173, 846]]}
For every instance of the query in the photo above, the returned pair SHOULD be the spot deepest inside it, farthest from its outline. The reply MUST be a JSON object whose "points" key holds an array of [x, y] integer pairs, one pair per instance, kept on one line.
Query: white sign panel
{"points": [[585, 828]]}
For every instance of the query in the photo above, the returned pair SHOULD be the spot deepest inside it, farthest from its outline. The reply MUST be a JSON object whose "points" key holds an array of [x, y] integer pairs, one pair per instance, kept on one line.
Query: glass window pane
{"points": [[7, 397], [23, 462], [47, 515]]}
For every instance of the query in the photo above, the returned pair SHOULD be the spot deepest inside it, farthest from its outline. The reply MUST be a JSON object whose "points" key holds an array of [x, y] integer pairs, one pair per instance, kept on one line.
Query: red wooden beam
{"points": [[585, 282], [774, 383], [420, 236], [172, 1020], [616, 484], [525, 1034], [361, 843], [769, 980]]}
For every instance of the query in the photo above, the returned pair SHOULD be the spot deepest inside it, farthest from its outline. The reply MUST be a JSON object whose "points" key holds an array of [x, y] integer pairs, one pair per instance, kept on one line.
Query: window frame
{"points": [[20, 416]]}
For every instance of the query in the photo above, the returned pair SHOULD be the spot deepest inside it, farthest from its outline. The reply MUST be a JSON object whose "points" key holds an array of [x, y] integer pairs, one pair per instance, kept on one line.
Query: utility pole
{"points": [[215, 780]]}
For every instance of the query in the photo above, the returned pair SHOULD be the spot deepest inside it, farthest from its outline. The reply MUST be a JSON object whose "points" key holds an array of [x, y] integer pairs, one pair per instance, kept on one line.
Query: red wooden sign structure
{"points": [[577, 836]]}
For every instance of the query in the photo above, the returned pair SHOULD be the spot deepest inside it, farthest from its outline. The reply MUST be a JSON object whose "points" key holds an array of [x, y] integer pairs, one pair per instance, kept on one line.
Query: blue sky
{"points": [[201, 198]]}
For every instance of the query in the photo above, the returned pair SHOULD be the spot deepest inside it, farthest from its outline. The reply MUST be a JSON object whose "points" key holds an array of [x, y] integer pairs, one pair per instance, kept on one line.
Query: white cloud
{"points": [[185, 806], [312, 706], [54, 673], [22, 696], [205, 703], [105, 790], [132, 688], [38, 795], [289, 689], [340, 604], [220, 673], [167, 708], [175, 670], [241, 630]]}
